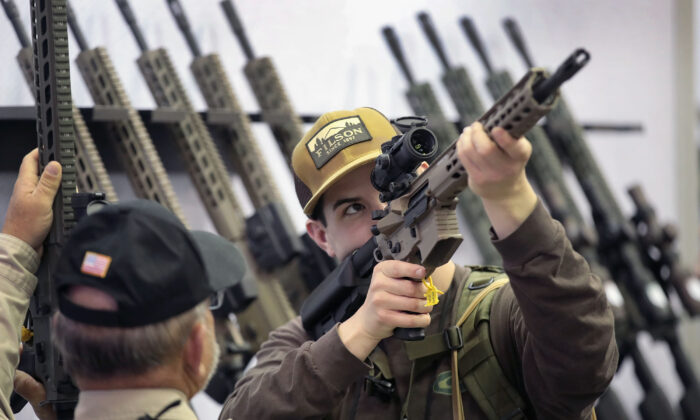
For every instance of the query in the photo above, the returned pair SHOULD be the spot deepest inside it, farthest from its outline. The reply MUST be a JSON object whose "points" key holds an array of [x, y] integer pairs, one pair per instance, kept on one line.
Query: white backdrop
{"points": [[330, 55]]}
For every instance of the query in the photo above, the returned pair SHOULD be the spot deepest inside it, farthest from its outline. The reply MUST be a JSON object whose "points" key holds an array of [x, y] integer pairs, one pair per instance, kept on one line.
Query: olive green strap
{"points": [[381, 361]]}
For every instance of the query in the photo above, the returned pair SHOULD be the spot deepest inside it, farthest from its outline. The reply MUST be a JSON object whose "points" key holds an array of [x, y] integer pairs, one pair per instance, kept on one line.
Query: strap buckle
{"points": [[453, 338], [381, 388]]}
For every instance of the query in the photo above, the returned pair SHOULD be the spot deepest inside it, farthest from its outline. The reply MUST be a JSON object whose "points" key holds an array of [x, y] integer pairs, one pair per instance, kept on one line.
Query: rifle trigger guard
{"points": [[378, 256]]}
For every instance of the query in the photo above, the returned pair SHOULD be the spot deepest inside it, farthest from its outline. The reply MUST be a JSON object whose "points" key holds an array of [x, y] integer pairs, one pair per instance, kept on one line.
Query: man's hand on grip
{"points": [[392, 301]]}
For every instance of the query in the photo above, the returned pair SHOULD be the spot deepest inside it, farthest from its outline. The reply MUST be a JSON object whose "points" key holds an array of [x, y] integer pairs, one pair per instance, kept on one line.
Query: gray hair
{"points": [[103, 352]]}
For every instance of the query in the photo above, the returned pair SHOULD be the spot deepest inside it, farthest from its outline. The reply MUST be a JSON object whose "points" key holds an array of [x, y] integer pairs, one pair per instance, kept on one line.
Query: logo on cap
{"points": [[334, 137], [95, 264]]}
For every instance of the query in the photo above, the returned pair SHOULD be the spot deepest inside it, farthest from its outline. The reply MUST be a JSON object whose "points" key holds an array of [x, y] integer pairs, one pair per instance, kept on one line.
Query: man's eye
{"points": [[353, 208]]}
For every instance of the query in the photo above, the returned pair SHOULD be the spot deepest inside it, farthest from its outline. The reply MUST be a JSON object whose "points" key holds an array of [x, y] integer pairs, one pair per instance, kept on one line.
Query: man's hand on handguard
{"points": [[29, 214], [496, 170], [392, 301]]}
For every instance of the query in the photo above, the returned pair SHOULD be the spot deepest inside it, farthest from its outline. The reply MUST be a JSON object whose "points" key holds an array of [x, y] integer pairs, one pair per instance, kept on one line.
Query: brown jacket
{"points": [[551, 330]]}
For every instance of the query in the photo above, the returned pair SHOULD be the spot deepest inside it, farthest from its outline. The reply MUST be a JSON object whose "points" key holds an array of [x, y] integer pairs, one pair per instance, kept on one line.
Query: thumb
{"points": [[50, 181]]}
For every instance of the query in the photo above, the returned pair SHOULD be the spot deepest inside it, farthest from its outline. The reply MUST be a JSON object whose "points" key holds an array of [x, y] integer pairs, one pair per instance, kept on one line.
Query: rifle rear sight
{"points": [[396, 167]]}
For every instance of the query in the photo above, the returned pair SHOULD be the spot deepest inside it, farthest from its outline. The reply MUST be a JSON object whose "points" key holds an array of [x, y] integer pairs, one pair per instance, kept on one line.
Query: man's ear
{"points": [[317, 232], [193, 353]]}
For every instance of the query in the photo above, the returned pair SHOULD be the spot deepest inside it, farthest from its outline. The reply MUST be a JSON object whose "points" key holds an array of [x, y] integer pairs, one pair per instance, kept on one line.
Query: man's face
{"points": [[347, 207]]}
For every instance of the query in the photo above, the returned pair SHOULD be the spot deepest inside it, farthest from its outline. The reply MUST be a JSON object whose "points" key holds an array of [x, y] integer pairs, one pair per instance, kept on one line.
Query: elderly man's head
{"points": [[134, 293]]}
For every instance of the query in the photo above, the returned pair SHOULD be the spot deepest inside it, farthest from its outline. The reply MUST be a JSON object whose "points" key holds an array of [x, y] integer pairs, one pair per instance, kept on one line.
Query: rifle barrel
{"points": [[393, 41], [515, 35], [429, 29], [75, 28], [473, 37], [179, 14], [564, 72], [237, 28], [130, 19], [13, 15]]}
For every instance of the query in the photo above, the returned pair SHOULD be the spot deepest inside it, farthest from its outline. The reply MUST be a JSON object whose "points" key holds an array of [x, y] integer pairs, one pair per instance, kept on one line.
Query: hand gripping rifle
{"points": [[419, 224], [56, 140], [91, 173], [544, 169], [262, 75], [209, 175], [423, 102], [271, 237], [619, 245]]}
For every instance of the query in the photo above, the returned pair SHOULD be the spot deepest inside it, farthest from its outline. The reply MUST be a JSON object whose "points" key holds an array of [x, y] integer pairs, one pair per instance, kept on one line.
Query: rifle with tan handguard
{"points": [[419, 223]]}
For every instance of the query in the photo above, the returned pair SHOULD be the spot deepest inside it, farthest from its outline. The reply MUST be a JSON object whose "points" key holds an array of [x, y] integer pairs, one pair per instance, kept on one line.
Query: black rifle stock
{"points": [[658, 243], [56, 140], [277, 110], [619, 244], [208, 173], [423, 102], [132, 142], [91, 173], [272, 240], [420, 226]]}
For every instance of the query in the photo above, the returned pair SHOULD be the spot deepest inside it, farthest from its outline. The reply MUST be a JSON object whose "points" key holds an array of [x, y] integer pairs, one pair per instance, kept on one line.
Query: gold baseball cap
{"points": [[338, 142]]}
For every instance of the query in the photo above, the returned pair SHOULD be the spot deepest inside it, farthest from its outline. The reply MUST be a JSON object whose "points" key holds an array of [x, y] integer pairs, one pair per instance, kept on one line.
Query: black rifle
{"points": [[619, 245], [56, 140], [419, 223], [91, 173], [658, 243], [423, 102]]}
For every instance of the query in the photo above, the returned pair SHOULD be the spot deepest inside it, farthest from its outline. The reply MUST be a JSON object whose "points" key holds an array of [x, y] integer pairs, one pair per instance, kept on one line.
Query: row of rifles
{"points": [[634, 257]]}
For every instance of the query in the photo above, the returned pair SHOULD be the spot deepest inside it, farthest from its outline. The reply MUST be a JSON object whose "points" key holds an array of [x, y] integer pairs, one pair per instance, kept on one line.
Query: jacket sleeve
{"points": [[17, 263], [553, 328], [295, 377]]}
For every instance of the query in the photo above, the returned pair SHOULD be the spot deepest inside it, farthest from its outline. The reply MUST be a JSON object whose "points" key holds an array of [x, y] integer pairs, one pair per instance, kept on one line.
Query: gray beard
{"points": [[215, 358]]}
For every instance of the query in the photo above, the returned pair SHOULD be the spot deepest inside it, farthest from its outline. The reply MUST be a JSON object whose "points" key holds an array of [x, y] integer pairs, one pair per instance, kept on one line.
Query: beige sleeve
{"points": [[17, 263]]}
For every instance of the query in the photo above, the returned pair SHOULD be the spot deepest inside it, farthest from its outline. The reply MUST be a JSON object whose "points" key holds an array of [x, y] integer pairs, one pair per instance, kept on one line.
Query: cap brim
{"points": [[223, 261]]}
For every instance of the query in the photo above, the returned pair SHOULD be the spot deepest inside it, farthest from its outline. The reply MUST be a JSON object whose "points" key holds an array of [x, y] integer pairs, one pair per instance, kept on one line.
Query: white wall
{"points": [[330, 55]]}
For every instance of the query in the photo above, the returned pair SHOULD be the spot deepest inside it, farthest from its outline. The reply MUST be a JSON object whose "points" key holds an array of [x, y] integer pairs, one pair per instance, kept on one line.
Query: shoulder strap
{"points": [[475, 363], [473, 359]]}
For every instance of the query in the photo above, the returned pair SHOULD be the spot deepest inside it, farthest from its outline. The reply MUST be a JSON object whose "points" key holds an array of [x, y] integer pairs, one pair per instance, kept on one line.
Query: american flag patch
{"points": [[95, 264]]}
